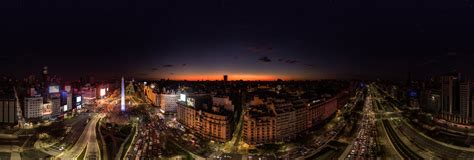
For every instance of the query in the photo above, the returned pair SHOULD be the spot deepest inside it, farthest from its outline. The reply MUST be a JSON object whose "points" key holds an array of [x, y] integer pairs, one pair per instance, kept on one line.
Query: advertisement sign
{"points": [[53, 89], [46, 109], [67, 88], [182, 97], [102, 92], [190, 102]]}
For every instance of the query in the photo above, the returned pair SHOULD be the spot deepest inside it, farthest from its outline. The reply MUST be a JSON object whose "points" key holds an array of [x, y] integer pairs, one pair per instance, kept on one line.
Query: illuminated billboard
{"points": [[53, 89], [190, 102], [65, 108], [79, 107], [102, 92], [182, 97], [46, 109], [78, 99], [67, 88]]}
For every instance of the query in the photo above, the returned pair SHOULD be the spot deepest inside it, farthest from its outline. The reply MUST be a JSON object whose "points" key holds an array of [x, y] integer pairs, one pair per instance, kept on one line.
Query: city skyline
{"points": [[236, 79]]}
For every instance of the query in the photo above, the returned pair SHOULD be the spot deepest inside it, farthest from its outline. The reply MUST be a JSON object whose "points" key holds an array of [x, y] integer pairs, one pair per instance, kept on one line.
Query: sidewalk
{"points": [[8, 136], [10, 148]]}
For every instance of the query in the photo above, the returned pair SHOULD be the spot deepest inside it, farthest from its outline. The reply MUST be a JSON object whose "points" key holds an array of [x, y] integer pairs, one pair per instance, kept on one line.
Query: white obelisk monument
{"points": [[122, 97]]}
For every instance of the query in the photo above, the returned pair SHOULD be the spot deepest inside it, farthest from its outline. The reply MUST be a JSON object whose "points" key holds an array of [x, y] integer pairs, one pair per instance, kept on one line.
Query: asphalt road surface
{"points": [[87, 136]]}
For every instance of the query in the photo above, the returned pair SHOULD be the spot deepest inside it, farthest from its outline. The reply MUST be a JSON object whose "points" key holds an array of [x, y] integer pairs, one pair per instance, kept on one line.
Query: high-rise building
{"points": [[166, 99], [77, 101], [33, 107], [450, 97], [456, 103], [69, 101], [168, 102], [8, 111], [45, 83], [225, 78], [433, 102], [465, 102], [89, 95], [56, 106]]}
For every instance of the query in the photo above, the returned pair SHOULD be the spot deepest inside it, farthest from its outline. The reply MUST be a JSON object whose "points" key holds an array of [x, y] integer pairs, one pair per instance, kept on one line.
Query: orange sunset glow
{"points": [[249, 77]]}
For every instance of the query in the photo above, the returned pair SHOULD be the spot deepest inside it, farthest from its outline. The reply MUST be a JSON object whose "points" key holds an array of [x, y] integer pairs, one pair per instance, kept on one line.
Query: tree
{"points": [[55, 129]]}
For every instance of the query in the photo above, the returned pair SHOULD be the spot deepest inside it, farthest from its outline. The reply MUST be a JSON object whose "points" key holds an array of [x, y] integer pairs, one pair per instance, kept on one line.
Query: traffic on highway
{"points": [[364, 145]]}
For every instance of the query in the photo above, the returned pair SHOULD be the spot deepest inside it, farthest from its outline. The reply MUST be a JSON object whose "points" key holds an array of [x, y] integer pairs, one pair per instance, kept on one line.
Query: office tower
{"points": [[33, 107]]}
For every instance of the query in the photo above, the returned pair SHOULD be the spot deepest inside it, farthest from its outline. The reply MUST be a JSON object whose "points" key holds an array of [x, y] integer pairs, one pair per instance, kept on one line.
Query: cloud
{"points": [[154, 69], [428, 62], [184, 64], [309, 65], [168, 65], [291, 61], [260, 49], [254, 49], [451, 54], [171, 73], [236, 57], [265, 59]]}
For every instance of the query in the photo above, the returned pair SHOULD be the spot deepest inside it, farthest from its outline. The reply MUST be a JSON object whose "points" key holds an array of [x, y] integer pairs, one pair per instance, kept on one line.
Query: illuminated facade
{"points": [[210, 122], [151, 95], [56, 106], [89, 95], [168, 102], [69, 101], [270, 120], [259, 126], [223, 101], [33, 106]]}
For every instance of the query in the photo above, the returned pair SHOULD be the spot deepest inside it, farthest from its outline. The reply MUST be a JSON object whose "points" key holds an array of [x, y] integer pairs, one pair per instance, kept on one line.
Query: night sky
{"points": [[247, 40]]}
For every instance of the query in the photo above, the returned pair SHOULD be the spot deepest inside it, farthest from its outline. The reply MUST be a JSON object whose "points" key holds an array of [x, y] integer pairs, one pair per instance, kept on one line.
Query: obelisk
{"points": [[122, 97]]}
